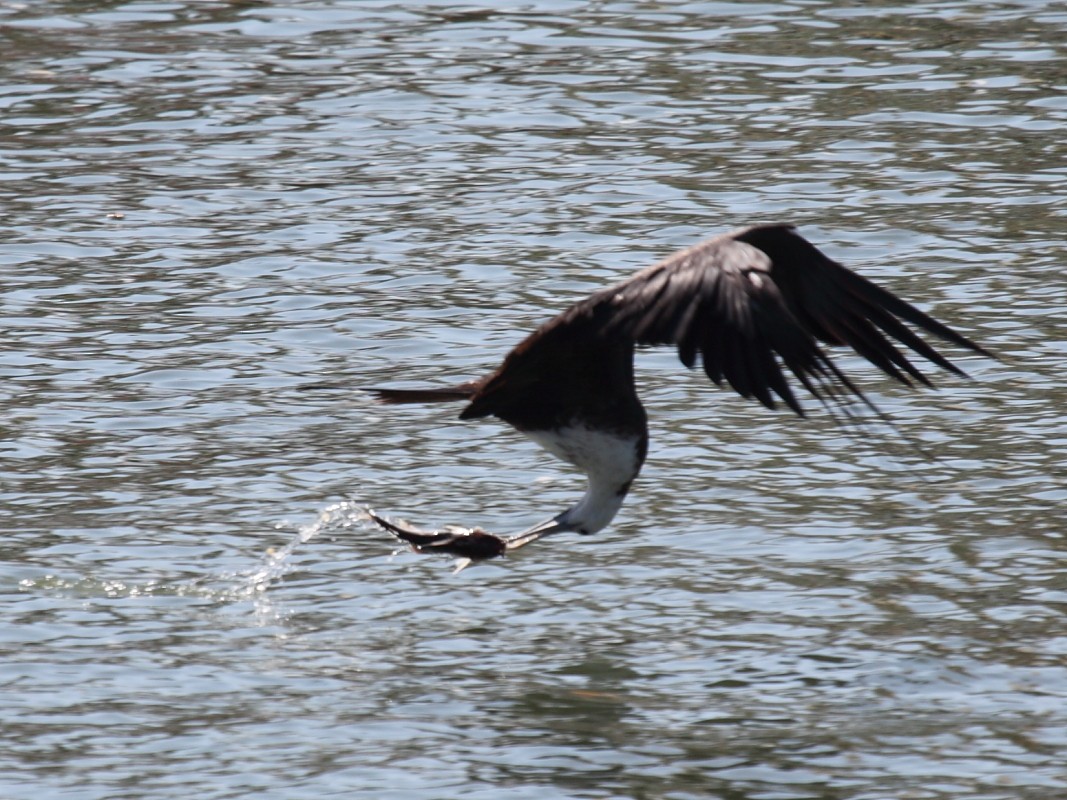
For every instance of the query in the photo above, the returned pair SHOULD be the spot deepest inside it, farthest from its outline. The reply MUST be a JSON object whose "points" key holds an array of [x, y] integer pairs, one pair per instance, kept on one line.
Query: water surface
{"points": [[209, 205]]}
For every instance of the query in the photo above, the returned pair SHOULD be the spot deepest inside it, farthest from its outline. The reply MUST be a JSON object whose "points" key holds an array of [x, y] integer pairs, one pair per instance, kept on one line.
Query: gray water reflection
{"points": [[210, 204]]}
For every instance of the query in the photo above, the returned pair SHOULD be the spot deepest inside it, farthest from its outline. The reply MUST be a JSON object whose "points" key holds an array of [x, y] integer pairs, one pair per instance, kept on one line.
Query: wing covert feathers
{"points": [[754, 305]]}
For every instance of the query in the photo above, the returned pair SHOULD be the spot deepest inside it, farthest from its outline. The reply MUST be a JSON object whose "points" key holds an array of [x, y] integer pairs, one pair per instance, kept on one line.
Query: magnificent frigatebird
{"points": [[748, 303]]}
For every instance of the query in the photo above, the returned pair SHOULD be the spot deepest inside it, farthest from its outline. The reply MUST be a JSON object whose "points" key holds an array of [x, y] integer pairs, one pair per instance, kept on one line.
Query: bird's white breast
{"points": [[608, 458]]}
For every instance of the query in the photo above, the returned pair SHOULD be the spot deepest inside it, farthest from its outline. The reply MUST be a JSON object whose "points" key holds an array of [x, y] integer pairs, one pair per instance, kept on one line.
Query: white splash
{"points": [[224, 587], [253, 584]]}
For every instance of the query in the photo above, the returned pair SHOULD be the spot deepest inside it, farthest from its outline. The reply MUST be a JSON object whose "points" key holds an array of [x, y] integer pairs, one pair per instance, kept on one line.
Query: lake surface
{"points": [[210, 205]]}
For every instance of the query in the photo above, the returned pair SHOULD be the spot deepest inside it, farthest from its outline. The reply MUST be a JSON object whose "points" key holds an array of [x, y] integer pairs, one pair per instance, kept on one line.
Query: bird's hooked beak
{"points": [[555, 525]]}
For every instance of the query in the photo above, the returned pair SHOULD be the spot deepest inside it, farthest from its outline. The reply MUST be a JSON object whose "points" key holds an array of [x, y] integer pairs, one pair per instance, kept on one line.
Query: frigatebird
{"points": [[751, 306]]}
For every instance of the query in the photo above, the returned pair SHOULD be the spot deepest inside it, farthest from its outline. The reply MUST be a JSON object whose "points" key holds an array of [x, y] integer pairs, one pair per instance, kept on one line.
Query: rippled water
{"points": [[209, 205]]}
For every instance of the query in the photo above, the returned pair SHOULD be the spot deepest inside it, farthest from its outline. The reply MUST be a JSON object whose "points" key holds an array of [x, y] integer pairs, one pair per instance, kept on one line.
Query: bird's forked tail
{"points": [[446, 394]]}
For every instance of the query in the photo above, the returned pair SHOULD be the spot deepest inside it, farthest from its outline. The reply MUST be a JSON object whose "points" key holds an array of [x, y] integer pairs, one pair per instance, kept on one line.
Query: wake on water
{"points": [[223, 587]]}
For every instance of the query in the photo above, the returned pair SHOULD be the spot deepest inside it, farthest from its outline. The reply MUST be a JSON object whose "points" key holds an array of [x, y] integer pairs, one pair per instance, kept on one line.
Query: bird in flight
{"points": [[753, 307]]}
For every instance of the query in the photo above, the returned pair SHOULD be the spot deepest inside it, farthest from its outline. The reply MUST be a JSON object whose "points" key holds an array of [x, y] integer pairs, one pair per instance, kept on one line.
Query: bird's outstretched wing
{"points": [[761, 298], [754, 304]]}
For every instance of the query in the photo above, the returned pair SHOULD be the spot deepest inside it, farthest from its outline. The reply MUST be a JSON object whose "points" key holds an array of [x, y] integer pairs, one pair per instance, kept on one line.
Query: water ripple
{"points": [[210, 205]]}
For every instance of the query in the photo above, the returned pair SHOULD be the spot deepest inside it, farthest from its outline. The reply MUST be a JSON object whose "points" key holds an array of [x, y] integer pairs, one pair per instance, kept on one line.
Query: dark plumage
{"points": [[752, 306]]}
